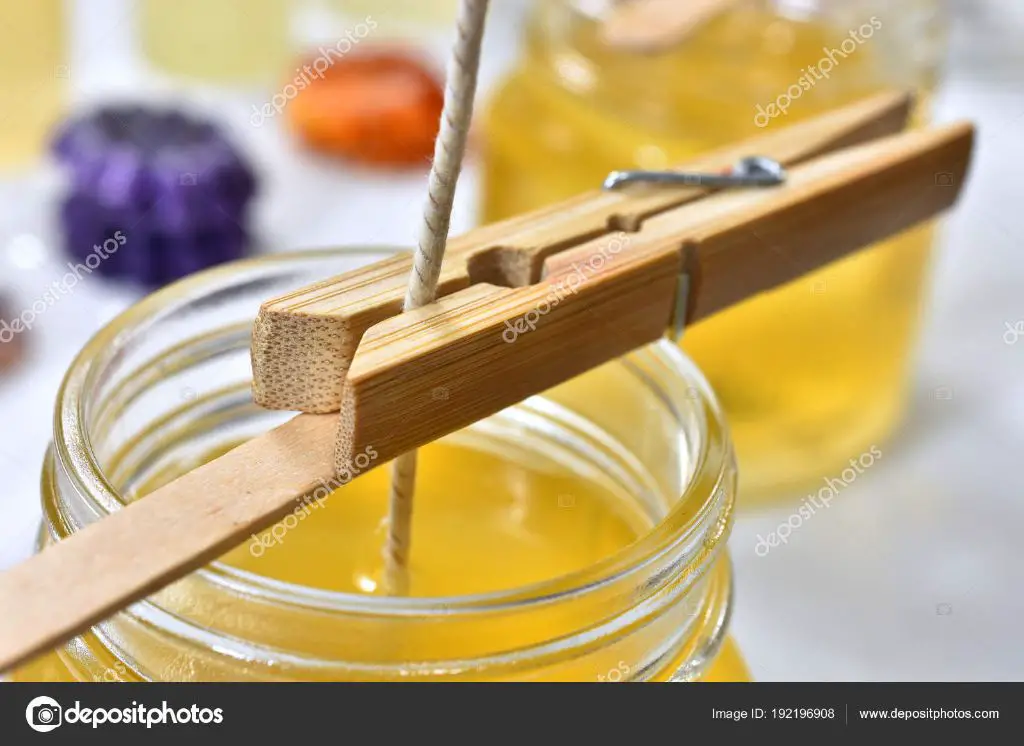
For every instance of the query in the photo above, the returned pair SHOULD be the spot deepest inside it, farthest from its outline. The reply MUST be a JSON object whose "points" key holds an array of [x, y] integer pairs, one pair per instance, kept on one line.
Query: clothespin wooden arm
{"points": [[303, 342], [490, 347]]}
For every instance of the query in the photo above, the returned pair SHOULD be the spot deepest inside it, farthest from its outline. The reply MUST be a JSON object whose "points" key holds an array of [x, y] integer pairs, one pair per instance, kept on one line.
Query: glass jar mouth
{"points": [[690, 533]]}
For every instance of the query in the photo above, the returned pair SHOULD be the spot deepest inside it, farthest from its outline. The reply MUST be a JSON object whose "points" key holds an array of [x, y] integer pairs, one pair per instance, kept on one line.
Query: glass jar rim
{"points": [[700, 502]]}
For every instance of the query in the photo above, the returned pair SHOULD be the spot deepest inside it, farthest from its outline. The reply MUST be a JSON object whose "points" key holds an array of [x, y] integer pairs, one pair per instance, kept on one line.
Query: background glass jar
{"points": [[809, 375], [34, 76], [401, 18], [167, 384], [226, 41]]}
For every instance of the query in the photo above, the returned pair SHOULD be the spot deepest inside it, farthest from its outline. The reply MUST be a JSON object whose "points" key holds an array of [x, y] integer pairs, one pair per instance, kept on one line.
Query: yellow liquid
{"points": [[810, 375], [400, 11], [34, 76], [483, 522], [218, 40]]}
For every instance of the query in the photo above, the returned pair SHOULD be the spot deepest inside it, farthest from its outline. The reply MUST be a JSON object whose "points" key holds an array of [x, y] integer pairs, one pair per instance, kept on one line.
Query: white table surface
{"points": [[915, 572]]}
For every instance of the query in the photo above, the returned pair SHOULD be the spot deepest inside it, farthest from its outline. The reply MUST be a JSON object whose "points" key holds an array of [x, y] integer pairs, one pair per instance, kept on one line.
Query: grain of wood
{"points": [[491, 347], [145, 546], [303, 342]]}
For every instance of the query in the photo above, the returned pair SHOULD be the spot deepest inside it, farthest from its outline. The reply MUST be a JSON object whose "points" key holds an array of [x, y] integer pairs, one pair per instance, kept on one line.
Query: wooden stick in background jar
{"points": [[651, 26]]}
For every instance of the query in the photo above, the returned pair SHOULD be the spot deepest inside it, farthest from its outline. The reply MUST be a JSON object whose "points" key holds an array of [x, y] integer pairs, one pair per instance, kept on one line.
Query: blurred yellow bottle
{"points": [[810, 375], [34, 76], [400, 11], [413, 22], [224, 41]]}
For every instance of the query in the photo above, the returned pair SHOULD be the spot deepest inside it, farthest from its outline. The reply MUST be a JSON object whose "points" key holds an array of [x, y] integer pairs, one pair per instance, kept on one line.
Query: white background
{"points": [[915, 572]]}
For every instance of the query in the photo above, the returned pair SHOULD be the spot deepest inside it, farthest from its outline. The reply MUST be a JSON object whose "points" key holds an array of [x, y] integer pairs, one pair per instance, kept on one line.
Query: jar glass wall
{"points": [[812, 374], [225, 41], [34, 77], [592, 545], [400, 18]]}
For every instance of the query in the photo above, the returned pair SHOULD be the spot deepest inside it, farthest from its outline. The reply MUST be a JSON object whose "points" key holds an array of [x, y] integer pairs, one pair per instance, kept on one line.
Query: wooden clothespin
{"points": [[622, 265], [554, 281]]}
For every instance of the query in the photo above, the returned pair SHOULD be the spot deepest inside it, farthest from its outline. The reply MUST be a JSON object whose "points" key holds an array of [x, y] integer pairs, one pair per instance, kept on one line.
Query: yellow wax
{"points": [[401, 11], [34, 76], [810, 375], [483, 521], [238, 41]]}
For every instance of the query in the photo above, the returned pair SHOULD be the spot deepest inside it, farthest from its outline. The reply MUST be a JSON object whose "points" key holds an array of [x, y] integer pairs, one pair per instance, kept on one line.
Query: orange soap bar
{"points": [[381, 108]]}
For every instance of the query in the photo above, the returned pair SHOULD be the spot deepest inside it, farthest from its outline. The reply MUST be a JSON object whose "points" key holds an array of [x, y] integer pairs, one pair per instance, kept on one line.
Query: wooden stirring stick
{"points": [[148, 544], [110, 564]]}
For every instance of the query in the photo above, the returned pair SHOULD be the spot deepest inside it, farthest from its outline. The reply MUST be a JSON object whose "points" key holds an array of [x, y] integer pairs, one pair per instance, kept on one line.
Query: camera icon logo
{"points": [[44, 714]]}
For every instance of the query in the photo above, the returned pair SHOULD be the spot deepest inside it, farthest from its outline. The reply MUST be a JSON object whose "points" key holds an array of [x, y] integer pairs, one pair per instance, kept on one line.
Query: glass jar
{"points": [[811, 374], [421, 27], [227, 41], [34, 76], [400, 18], [167, 384]]}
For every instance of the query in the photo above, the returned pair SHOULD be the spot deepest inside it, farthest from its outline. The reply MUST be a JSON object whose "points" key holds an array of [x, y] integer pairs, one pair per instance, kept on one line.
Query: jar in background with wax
{"points": [[34, 77], [401, 18], [222, 42], [580, 535], [810, 375], [419, 27]]}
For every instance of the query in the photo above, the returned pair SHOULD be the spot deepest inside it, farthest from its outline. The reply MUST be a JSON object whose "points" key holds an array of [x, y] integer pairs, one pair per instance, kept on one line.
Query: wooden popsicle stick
{"points": [[180, 527], [651, 26], [490, 347], [303, 342]]}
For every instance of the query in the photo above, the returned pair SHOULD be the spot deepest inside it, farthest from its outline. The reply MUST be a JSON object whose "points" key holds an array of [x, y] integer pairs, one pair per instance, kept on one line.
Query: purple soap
{"points": [[165, 193]]}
